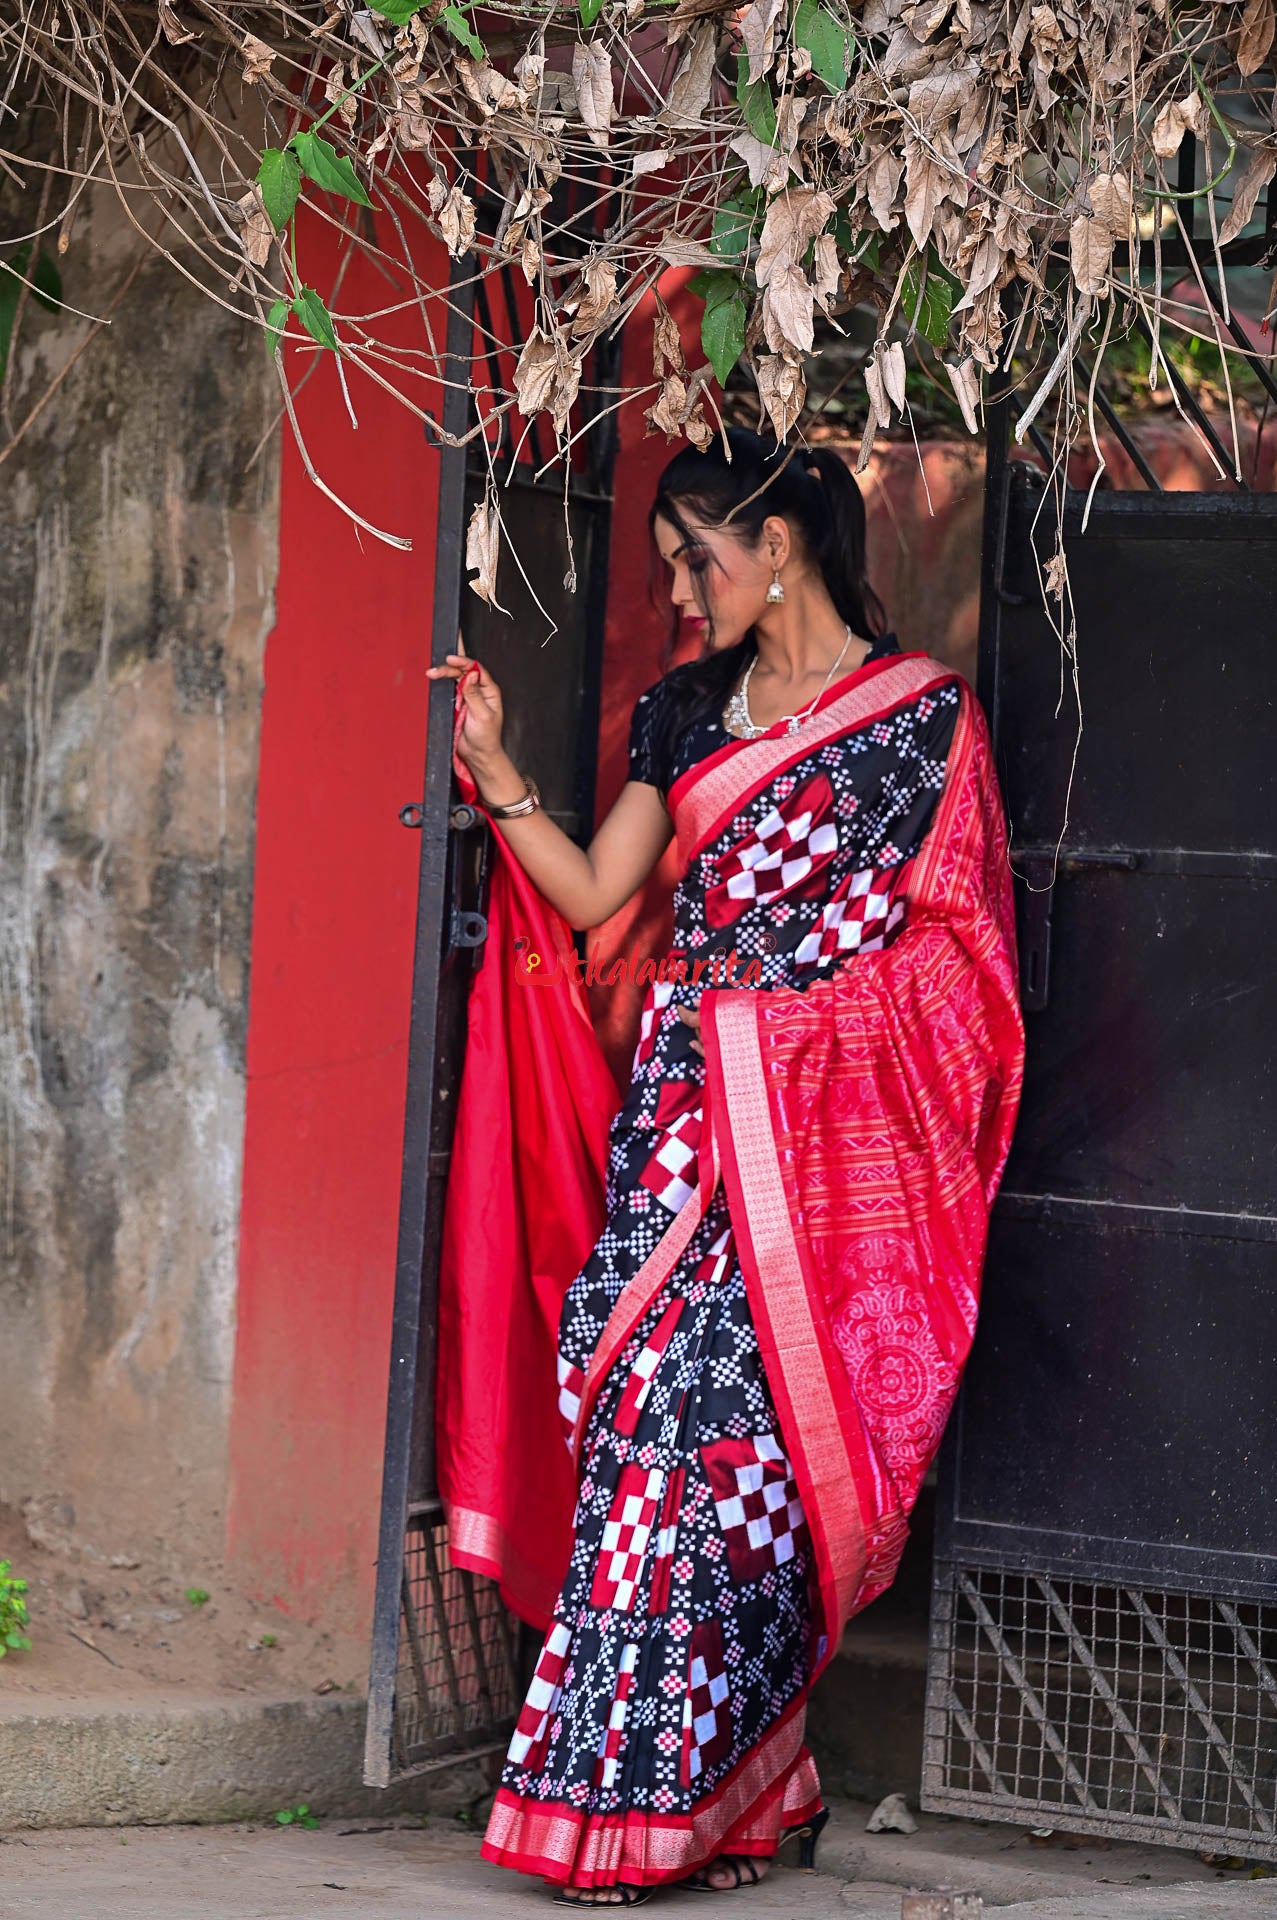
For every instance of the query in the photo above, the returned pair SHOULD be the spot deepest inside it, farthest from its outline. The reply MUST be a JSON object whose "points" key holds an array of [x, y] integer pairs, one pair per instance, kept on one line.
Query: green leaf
{"points": [[333, 171], [285, 1817], [46, 290], [829, 43], [315, 317], [198, 1596], [733, 224], [930, 305], [723, 333], [280, 179], [755, 102], [275, 332], [589, 11], [400, 11], [459, 27]]}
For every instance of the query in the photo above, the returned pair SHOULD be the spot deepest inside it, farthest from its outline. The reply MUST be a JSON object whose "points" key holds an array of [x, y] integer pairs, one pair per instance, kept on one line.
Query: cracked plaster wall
{"points": [[137, 567]]}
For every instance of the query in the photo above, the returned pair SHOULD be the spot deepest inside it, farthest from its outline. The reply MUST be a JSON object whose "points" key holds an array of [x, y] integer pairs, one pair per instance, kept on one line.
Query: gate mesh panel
{"points": [[1110, 1710], [456, 1685]]}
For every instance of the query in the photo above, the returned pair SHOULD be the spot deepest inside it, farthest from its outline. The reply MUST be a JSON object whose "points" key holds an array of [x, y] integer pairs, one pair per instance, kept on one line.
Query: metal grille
{"points": [[456, 1683], [1109, 1710]]}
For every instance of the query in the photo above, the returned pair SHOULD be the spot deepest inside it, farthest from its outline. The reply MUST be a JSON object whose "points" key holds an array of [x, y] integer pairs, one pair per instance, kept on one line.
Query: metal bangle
{"points": [[517, 808]]}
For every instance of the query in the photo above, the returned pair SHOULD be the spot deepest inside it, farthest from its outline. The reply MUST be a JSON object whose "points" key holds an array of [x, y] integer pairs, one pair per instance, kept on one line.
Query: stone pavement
{"points": [[432, 1872]]}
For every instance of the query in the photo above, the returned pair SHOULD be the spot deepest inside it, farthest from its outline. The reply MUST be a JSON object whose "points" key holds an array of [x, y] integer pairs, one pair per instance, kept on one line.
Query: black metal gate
{"points": [[445, 1676], [1104, 1616]]}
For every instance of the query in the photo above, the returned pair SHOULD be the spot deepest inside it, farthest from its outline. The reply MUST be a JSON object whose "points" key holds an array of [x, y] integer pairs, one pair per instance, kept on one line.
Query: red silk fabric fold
{"points": [[525, 1204]]}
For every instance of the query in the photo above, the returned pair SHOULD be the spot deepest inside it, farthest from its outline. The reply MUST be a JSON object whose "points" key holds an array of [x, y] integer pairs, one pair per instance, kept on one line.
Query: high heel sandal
{"points": [[807, 1833]]}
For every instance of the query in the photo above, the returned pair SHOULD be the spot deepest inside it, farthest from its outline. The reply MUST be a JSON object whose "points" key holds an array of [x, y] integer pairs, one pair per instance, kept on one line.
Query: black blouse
{"points": [[704, 737]]}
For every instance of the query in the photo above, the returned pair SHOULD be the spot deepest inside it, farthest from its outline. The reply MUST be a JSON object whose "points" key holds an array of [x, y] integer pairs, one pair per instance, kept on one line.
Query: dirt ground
{"points": [[112, 1627]]}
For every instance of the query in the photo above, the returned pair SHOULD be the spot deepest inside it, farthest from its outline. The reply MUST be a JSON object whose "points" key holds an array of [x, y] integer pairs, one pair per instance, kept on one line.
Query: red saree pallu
{"points": [[759, 1355], [524, 1206]]}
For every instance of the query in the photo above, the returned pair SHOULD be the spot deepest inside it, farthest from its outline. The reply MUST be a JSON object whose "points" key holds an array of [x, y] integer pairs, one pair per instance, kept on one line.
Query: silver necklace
{"points": [[738, 719]]}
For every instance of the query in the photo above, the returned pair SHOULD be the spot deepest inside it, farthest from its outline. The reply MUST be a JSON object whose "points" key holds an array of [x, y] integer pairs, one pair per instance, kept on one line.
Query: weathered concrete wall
{"points": [[137, 563]]}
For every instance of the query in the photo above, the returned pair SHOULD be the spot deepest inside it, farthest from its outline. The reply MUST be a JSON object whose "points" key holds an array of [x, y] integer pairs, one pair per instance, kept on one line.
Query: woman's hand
{"points": [[479, 741], [692, 1015]]}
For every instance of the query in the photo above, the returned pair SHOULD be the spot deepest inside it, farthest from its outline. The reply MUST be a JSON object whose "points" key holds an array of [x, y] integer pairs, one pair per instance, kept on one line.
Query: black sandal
{"points": [[808, 1834], [629, 1897]]}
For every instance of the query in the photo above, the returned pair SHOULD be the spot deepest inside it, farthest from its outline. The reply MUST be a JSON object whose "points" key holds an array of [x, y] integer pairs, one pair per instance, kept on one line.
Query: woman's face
{"points": [[714, 575]]}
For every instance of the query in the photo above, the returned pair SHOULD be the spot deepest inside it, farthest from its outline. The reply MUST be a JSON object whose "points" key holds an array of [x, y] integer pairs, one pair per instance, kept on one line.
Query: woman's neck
{"points": [[800, 639]]}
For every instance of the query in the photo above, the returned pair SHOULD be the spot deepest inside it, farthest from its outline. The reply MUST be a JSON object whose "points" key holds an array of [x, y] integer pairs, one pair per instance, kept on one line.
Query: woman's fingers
{"points": [[455, 664], [691, 1016]]}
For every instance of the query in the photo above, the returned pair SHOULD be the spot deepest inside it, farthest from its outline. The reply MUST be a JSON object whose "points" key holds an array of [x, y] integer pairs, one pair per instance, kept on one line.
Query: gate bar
{"points": [[411, 1355]]}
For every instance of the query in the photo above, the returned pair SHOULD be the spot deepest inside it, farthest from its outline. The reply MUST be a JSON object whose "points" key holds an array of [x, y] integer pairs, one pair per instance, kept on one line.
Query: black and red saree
{"points": [[758, 1357]]}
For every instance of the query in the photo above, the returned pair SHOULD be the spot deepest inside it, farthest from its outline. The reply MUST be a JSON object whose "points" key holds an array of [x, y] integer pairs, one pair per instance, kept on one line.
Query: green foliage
{"points": [[315, 317], [399, 11], [829, 43], [723, 322], [589, 11], [269, 1640], [332, 171], [280, 179], [45, 290], [734, 222], [296, 1817], [755, 101], [454, 18], [13, 1613], [198, 1596], [929, 303]]}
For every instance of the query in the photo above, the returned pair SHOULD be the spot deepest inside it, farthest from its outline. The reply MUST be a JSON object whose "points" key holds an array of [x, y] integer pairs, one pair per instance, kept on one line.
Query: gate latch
{"points": [[467, 929], [1039, 868]]}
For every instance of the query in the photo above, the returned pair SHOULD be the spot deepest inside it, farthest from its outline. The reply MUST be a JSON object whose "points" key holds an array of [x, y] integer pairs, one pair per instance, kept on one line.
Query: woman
{"points": [[758, 1357]]}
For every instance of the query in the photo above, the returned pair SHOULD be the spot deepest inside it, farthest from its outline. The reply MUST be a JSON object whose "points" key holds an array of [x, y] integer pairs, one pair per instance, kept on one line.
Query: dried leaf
{"points": [[680, 250], [547, 376], [259, 234], [1110, 198], [174, 32], [879, 405], [692, 84], [1258, 171], [1090, 251], [758, 34], [592, 76], [965, 382], [1176, 118], [455, 213], [782, 390], [666, 413], [881, 184], [257, 56], [827, 269], [483, 542], [654, 161], [788, 304], [893, 373], [1256, 37], [598, 298], [925, 187], [794, 218], [767, 166]]}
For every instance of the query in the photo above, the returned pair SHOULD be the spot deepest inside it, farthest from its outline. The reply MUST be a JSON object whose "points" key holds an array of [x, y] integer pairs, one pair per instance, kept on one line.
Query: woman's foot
{"points": [[614, 1896], [731, 1870]]}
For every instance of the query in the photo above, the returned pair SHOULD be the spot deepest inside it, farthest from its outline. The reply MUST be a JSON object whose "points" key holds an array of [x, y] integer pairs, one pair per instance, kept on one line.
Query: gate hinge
{"points": [[467, 929]]}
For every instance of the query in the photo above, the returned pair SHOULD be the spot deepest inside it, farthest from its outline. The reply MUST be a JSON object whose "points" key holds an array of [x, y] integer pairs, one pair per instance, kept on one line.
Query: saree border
{"points": [[635, 1297], [803, 1377], [708, 795], [672, 1845]]}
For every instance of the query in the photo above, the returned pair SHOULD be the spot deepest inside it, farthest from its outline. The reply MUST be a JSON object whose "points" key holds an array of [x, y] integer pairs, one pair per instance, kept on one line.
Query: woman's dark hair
{"points": [[816, 493]]}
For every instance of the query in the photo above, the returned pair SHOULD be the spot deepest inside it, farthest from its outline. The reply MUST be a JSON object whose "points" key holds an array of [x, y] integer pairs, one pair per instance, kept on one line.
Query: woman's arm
{"points": [[587, 886]]}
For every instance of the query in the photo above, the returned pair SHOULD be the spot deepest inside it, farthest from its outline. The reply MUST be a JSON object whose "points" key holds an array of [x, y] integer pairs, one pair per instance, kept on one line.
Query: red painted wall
{"points": [[342, 745]]}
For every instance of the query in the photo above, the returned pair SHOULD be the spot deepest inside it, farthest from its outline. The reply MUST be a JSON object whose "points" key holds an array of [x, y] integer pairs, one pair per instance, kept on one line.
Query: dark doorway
{"points": [[1104, 1619], [445, 1672]]}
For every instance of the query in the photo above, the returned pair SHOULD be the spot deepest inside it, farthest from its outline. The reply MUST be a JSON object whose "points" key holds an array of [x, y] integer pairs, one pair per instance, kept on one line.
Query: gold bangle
{"points": [[517, 808]]}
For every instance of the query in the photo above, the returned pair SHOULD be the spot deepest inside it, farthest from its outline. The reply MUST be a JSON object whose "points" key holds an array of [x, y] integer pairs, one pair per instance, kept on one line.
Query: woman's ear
{"points": [[777, 540]]}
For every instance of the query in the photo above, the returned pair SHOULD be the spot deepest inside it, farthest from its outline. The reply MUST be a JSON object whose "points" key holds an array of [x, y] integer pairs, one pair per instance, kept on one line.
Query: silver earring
{"points": [[776, 591]]}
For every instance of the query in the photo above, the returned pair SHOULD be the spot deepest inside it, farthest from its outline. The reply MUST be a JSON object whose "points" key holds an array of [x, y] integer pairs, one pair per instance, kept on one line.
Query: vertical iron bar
{"points": [[414, 1287], [435, 1579]]}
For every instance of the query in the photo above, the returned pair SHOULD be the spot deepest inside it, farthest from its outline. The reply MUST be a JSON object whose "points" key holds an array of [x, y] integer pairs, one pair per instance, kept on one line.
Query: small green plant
{"points": [[198, 1596], [13, 1613], [296, 1817], [269, 1640]]}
